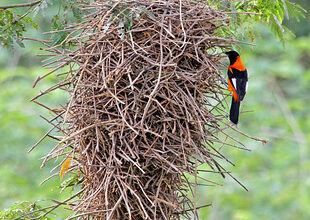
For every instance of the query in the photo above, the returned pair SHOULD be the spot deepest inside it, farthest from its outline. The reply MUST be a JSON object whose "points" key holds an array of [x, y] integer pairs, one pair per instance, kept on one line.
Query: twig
{"points": [[21, 5], [253, 138], [34, 39], [52, 208]]}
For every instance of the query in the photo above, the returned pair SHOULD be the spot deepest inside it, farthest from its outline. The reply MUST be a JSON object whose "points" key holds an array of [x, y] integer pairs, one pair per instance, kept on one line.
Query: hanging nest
{"points": [[145, 106]]}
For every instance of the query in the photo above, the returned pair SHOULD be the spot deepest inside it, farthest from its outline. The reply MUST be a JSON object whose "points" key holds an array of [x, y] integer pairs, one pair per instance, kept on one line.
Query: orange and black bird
{"points": [[237, 83]]}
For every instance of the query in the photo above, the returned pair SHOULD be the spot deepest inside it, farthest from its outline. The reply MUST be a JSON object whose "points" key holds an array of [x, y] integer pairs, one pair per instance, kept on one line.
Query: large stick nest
{"points": [[145, 106]]}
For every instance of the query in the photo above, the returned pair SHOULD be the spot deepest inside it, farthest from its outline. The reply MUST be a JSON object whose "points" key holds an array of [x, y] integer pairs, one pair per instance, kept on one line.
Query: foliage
{"points": [[72, 182], [23, 210], [246, 14], [69, 14], [14, 22], [300, 28], [12, 27]]}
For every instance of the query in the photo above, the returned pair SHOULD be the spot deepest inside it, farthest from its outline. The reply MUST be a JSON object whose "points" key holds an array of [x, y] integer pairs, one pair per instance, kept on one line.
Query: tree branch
{"points": [[21, 5], [253, 138]]}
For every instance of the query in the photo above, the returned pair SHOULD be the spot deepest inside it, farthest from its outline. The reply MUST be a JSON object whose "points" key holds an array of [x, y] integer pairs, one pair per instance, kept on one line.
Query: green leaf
{"points": [[59, 38], [143, 10], [20, 43]]}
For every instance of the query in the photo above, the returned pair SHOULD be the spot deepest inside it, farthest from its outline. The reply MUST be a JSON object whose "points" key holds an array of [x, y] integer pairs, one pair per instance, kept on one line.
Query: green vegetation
{"points": [[20, 209], [20, 129], [14, 22], [270, 13], [276, 108]]}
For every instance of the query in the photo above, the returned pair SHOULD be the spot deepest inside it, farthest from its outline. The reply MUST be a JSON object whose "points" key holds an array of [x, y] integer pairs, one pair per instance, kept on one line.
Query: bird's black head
{"points": [[232, 55]]}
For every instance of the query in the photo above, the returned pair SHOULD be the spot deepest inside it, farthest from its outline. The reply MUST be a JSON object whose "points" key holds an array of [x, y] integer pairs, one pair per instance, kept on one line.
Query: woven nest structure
{"points": [[145, 106]]}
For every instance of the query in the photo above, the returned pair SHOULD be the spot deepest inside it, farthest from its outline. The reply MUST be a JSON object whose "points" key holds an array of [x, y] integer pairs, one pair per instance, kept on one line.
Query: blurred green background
{"points": [[276, 108]]}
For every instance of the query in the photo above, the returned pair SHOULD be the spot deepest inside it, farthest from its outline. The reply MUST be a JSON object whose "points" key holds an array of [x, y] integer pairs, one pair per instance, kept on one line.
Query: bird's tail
{"points": [[234, 111]]}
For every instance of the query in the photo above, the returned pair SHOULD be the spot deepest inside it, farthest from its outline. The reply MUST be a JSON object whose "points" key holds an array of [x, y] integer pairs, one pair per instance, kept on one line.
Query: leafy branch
{"points": [[271, 13], [12, 25]]}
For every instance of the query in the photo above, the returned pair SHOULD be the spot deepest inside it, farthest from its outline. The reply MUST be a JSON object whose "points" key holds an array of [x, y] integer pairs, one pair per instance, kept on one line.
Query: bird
{"points": [[237, 83]]}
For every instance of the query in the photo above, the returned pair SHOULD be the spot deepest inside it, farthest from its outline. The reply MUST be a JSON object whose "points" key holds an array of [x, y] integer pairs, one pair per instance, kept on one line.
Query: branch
{"points": [[253, 138], [38, 40], [21, 5], [52, 207]]}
